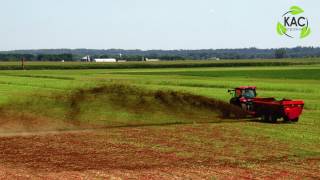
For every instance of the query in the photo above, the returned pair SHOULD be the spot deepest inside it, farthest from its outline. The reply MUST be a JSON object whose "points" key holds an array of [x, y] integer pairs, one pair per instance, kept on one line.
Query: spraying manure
{"points": [[111, 106], [150, 104]]}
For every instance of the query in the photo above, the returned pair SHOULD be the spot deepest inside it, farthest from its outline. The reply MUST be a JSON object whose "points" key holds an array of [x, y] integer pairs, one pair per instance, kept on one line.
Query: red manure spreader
{"points": [[269, 109]]}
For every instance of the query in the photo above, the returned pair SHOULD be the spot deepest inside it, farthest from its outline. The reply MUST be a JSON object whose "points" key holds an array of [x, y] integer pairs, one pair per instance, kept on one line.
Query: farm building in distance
{"points": [[89, 59], [86, 59], [104, 60], [151, 60]]}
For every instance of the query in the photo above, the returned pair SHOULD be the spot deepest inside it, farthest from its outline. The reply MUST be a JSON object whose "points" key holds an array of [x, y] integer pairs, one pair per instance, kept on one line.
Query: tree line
{"points": [[139, 55], [35, 57]]}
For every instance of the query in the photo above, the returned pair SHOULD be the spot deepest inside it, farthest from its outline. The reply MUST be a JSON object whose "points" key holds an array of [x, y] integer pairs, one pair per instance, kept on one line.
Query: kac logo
{"points": [[294, 24]]}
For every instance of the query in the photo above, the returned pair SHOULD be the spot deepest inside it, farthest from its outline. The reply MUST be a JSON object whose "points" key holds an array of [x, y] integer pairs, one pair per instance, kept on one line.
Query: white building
{"points": [[86, 59], [151, 60], [104, 60]]}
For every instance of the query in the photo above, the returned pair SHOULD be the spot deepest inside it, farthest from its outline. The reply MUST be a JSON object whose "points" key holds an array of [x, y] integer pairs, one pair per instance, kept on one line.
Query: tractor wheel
{"points": [[272, 119], [265, 117], [269, 118], [286, 120]]}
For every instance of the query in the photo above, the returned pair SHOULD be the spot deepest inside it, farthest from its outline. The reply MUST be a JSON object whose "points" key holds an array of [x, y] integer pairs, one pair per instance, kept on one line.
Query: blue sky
{"points": [[150, 24]]}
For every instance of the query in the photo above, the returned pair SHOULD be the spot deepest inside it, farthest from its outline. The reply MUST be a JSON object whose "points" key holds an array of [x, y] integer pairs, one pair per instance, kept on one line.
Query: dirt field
{"points": [[203, 151]]}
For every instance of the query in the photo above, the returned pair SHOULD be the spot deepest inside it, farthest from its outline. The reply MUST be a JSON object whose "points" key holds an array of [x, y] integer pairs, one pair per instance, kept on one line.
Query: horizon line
{"points": [[37, 49]]}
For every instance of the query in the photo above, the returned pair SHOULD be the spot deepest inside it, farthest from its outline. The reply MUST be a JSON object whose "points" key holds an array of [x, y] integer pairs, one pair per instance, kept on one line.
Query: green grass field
{"points": [[297, 80]]}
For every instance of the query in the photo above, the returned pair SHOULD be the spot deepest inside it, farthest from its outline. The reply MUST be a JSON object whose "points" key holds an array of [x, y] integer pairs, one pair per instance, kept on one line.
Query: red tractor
{"points": [[269, 109]]}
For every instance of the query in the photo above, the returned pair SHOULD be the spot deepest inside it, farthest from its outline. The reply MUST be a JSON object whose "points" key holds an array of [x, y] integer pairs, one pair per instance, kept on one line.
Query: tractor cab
{"points": [[243, 96], [248, 92]]}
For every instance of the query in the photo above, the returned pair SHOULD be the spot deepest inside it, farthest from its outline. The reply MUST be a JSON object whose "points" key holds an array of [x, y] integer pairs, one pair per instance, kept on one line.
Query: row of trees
{"points": [[33, 57], [228, 54], [139, 55]]}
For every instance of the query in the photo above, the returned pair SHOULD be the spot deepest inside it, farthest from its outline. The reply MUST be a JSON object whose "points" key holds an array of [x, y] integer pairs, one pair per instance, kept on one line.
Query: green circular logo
{"points": [[294, 24]]}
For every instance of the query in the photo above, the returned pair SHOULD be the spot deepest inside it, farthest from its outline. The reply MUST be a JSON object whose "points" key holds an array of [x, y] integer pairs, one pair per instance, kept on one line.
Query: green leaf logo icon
{"points": [[294, 24], [281, 29], [305, 32], [295, 10]]}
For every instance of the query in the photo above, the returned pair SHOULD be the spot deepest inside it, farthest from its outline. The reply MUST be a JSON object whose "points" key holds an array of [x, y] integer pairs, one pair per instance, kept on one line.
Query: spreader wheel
{"points": [[285, 119], [265, 117], [272, 118]]}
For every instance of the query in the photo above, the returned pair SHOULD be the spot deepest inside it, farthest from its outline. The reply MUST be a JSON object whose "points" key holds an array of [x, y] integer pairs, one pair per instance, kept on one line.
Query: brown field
{"points": [[198, 151]]}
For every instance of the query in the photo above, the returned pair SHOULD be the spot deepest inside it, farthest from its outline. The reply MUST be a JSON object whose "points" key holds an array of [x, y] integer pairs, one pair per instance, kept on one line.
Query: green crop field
{"points": [[249, 146]]}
